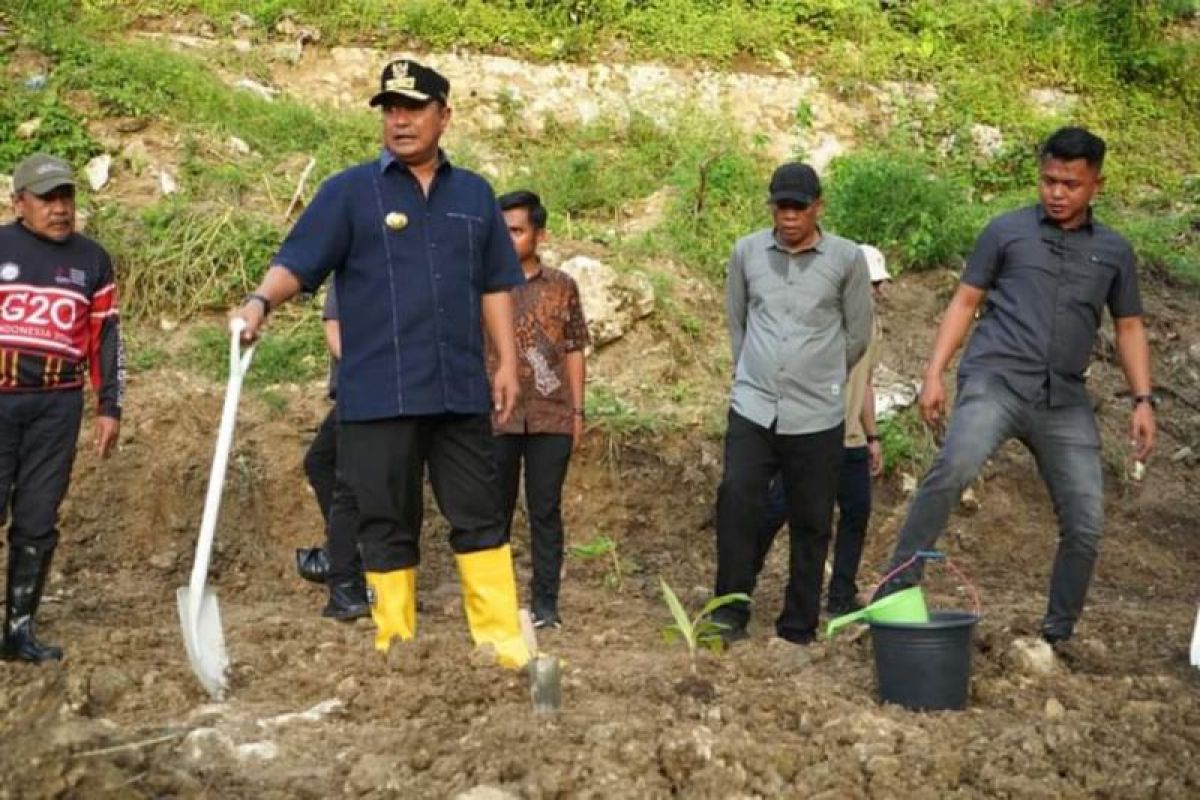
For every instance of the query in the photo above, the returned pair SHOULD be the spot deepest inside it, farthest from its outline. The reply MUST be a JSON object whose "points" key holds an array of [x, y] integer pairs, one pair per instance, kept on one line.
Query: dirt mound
{"points": [[315, 712]]}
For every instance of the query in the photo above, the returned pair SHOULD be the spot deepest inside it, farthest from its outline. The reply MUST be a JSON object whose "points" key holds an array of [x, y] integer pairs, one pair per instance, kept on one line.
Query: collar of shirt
{"points": [[387, 158], [818, 246], [1044, 219], [538, 274]]}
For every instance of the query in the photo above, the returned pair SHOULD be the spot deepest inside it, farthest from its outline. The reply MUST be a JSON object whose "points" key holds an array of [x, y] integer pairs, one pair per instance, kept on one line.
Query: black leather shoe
{"points": [[312, 563], [347, 601], [843, 605], [28, 567]]}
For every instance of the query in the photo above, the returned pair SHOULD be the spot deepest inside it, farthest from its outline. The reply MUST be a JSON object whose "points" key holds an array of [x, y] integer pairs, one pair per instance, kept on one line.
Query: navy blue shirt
{"points": [[1047, 288], [410, 271]]}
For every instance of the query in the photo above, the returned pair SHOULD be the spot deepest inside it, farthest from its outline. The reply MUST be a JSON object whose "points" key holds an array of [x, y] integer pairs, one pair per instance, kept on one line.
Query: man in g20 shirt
{"points": [[422, 263], [1043, 275], [58, 323]]}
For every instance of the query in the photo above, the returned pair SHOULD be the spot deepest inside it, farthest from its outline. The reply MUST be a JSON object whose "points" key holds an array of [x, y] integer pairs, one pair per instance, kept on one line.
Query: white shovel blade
{"points": [[1196, 641], [205, 641]]}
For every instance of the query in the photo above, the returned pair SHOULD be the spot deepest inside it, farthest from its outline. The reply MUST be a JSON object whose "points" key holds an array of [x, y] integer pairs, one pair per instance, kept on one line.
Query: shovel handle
{"points": [[239, 363]]}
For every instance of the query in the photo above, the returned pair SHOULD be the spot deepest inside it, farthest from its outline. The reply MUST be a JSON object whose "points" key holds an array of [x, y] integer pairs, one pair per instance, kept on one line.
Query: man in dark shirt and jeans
{"points": [[1043, 275], [422, 263]]}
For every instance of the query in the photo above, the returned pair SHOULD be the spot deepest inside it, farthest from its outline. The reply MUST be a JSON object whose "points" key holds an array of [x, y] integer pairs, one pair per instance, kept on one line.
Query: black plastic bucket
{"points": [[925, 666]]}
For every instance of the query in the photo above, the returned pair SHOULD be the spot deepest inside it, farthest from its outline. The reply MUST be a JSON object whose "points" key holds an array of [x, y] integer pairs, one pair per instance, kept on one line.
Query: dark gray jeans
{"points": [[1066, 445]]}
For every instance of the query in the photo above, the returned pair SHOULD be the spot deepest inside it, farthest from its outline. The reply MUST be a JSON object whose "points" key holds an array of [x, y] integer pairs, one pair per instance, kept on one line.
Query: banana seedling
{"points": [[699, 631]]}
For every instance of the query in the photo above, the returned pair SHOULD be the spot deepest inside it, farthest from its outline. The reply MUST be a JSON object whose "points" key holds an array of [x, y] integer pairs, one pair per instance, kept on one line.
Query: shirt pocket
{"points": [[1089, 280], [466, 234]]}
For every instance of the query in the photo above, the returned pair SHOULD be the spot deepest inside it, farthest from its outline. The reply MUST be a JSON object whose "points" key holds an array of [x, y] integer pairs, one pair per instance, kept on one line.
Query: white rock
{"points": [[908, 483], [97, 171], [27, 129], [242, 45], [1054, 709], [828, 148], [314, 714], [205, 745], [485, 792], [166, 182], [1052, 101], [969, 500], [987, 139], [893, 393], [1031, 656], [241, 21], [265, 92], [611, 302], [257, 751], [238, 146]]}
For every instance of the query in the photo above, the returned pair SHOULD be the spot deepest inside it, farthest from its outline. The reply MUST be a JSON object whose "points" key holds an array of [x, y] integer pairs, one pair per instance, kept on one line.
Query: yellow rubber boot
{"points": [[393, 605], [489, 589]]}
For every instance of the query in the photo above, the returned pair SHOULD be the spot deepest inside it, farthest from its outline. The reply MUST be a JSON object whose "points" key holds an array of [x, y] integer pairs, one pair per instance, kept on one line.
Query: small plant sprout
{"points": [[599, 547], [699, 631]]}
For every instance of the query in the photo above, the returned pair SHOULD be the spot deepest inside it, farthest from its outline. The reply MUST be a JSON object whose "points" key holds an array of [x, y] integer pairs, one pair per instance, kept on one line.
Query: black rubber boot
{"points": [[347, 601], [28, 568]]}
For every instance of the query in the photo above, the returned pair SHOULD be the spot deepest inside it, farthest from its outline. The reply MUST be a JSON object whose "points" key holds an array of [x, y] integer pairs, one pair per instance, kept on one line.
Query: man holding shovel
{"points": [[58, 324], [1042, 276], [422, 263]]}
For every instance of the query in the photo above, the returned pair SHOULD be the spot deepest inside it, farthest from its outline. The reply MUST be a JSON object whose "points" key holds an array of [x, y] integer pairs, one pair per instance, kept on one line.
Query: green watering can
{"points": [[907, 605]]}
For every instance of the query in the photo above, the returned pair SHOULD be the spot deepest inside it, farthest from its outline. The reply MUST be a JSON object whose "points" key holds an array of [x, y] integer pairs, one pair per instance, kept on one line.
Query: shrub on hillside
{"points": [[893, 202]]}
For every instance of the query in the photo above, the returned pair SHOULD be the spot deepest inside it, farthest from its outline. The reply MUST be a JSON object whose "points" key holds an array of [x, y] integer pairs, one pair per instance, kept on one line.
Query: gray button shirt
{"points": [[797, 323], [1047, 289]]}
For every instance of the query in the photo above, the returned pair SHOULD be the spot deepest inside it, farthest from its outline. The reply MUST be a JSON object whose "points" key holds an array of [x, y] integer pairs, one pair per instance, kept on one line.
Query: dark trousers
{"points": [[546, 457], [383, 463], [1066, 445], [38, 435], [809, 467], [854, 513], [336, 501]]}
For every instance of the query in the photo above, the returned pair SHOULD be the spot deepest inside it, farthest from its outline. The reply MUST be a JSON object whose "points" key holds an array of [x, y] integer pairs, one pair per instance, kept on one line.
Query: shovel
{"points": [[1196, 641], [198, 611]]}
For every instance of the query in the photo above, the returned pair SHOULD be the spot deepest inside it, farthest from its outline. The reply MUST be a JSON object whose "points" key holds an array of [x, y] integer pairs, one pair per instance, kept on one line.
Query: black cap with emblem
{"points": [[405, 79]]}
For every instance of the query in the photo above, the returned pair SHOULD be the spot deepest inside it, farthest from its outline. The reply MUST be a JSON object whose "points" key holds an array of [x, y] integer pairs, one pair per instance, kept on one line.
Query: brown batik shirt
{"points": [[549, 323]]}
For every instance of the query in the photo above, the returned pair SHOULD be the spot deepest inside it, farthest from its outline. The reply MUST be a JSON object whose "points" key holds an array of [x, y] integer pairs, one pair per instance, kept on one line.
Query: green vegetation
{"points": [[180, 259], [1128, 68], [907, 443], [699, 631], [616, 416], [929, 223], [292, 350], [602, 546]]}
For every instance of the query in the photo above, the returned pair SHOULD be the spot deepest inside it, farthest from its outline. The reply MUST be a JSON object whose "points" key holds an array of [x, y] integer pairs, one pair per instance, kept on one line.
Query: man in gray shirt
{"points": [[798, 302], [1043, 275]]}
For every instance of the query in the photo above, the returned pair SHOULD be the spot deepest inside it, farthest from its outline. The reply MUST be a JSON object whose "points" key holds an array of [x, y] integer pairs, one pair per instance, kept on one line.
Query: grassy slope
{"points": [[1134, 67]]}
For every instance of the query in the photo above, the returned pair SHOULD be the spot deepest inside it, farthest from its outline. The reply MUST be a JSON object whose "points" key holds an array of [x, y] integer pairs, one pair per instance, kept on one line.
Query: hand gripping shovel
{"points": [[198, 611]]}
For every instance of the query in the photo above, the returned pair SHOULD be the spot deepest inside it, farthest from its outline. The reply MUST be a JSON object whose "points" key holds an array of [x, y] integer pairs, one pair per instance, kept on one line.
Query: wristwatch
{"points": [[1137, 399], [266, 304], [872, 437]]}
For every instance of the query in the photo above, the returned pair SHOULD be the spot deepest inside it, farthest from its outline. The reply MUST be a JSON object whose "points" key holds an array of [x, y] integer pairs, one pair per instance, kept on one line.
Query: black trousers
{"points": [[383, 463], [38, 436], [809, 466], [546, 457], [854, 513], [338, 508]]}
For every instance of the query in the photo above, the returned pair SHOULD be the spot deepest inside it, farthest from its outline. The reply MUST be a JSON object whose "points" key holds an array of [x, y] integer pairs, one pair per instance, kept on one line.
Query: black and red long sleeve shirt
{"points": [[58, 317]]}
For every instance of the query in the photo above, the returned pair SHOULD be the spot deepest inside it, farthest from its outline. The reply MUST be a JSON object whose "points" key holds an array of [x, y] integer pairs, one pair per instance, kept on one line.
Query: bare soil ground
{"points": [[122, 716]]}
